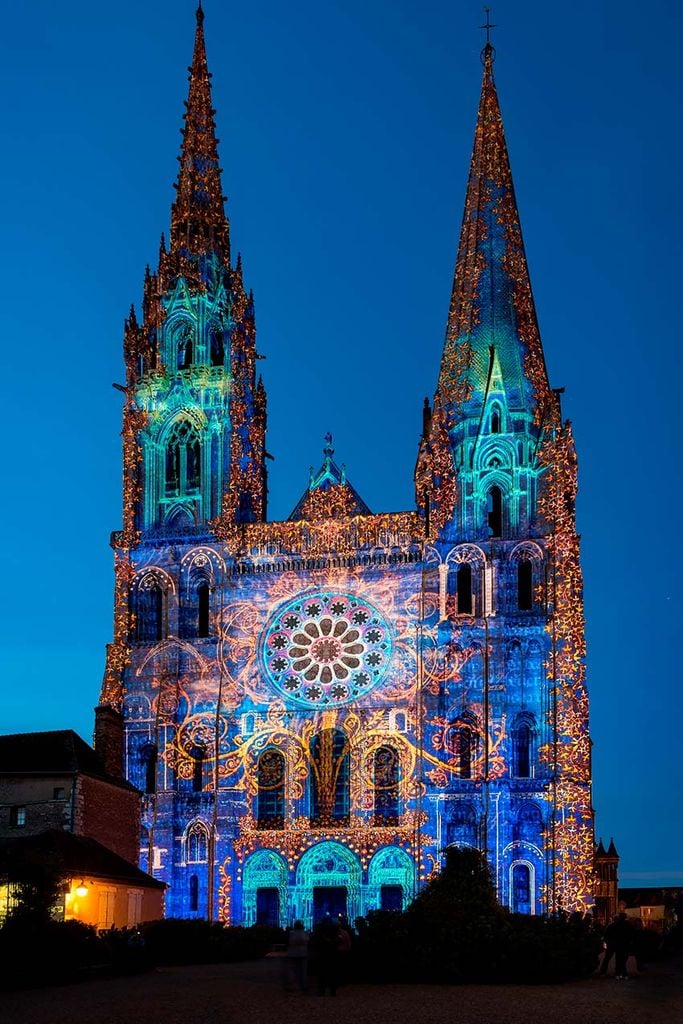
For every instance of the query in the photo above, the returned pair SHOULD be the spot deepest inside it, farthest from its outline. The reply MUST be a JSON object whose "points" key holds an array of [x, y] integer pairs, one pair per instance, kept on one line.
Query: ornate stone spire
{"points": [[198, 221], [492, 307]]}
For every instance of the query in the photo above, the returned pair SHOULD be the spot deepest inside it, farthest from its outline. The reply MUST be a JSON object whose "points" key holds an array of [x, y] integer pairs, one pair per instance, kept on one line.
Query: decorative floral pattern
{"points": [[326, 649]]}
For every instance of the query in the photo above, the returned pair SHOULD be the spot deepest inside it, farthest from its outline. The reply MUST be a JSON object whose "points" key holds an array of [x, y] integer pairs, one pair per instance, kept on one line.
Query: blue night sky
{"points": [[346, 132]]}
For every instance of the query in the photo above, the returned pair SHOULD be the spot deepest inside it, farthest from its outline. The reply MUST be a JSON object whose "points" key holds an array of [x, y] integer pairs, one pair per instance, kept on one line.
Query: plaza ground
{"points": [[250, 993]]}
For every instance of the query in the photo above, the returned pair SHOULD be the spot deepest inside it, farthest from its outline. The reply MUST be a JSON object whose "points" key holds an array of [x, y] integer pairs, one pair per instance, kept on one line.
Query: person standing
{"points": [[296, 958]]}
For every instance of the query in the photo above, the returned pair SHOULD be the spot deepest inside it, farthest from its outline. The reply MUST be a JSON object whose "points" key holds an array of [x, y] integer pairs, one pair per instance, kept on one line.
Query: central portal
{"points": [[329, 899]]}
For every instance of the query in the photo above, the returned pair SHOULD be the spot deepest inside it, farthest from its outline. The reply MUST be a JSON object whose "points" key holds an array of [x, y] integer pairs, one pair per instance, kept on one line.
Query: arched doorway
{"points": [[391, 880], [328, 882], [264, 889]]}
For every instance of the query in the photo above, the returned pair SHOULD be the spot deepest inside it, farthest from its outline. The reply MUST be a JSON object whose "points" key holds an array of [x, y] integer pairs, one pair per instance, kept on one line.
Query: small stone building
{"points": [[58, 803]]}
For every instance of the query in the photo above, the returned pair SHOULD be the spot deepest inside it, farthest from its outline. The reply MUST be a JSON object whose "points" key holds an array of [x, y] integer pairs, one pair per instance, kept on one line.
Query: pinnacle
{"points": [[198, 221]]}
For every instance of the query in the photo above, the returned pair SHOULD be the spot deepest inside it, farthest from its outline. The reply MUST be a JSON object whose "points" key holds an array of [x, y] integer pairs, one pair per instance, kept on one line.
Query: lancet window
{"points": [[150, 613], [183, 460], [197, 843], [270, 797], [386, 785], [329, 779]]}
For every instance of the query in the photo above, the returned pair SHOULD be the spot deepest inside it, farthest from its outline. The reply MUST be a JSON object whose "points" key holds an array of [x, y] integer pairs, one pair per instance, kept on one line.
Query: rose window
{"points": [[326, 649]]}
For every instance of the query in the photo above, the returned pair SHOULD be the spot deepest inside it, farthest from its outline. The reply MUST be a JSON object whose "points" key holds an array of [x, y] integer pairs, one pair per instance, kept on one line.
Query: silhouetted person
{"points": [[326, 949], [618, 939]]}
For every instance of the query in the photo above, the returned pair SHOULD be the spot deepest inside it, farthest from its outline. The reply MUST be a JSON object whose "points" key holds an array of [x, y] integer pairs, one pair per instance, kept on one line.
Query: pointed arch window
{"points": [[330, 769], [203, 609], [150, 614], [197, 844], [495, 420], [495, 512], [270, 797], [198, 765], [386, 785], [194, 613], [522, 738], [217, 347], [148, 757], [465, 751], [183, 460], [525, 575], [184, 349], [521, 889], [464, 583], [194, 893]]}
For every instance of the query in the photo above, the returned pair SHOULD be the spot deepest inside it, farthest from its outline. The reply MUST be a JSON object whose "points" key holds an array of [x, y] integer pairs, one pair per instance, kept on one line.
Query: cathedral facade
{"points": [[315, 709]]}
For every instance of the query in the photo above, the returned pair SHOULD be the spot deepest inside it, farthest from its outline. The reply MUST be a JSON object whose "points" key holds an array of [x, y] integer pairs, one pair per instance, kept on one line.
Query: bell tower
{"points": [[194, 417], [496, 481]]}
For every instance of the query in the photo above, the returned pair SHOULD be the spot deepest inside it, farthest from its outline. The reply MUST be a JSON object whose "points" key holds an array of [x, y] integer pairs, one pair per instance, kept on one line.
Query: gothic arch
{"points": [[496, 453], [204, 561], [196, 842], [390, 867], [522, 886], [263, 871], [526, 551], [329, 864], [153, 574], [470, 553], [194, 416], [523, 734]]}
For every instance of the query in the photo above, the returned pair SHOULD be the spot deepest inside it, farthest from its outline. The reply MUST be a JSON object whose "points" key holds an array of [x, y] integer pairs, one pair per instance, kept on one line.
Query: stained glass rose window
{"points": [[326, 649]]}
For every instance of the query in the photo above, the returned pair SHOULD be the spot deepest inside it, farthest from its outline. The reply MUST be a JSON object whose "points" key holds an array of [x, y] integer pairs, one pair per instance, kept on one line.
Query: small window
{"points": [[194, 892], [198, 761], [495, 422], [495, 512], [17, 816], [58, 793], [524, 586], [148, 756], [521, 751], [465, 589], [203, 610], [521, 889], [465, 744]]}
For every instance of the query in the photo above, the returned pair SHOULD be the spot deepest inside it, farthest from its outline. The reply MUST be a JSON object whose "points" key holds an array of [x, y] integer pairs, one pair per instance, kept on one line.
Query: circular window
{"points": [[326, 649]]}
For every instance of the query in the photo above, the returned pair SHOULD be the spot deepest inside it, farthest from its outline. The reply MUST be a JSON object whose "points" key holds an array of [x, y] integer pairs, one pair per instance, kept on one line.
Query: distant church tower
{"points": [[317, 708]]}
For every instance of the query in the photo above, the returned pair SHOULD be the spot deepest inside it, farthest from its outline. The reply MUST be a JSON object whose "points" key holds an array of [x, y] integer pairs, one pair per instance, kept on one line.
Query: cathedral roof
{"points": [[198, 221], [492, 314], [329, 494]]}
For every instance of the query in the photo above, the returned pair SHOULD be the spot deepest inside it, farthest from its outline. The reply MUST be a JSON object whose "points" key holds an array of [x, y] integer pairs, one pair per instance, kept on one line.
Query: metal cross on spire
{"points": [[488, 25]]}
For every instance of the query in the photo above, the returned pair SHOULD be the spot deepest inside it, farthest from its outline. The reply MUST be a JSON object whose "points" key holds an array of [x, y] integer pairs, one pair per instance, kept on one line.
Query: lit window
{"points": [[17, 816]]}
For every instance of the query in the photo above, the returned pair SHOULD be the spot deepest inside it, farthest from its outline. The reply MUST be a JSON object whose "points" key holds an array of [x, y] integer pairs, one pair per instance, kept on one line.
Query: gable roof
{"points": [[58, 752], [75, 855], [329, 493]]}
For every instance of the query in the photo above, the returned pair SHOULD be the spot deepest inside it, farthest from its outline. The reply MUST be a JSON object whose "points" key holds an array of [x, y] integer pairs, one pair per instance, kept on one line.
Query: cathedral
{"points": [[316, 709]]}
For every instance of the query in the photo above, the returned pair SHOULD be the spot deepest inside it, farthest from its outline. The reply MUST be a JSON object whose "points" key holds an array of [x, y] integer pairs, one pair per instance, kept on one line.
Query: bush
{"points": [[193, 941], [51, 953], [455, 931]]}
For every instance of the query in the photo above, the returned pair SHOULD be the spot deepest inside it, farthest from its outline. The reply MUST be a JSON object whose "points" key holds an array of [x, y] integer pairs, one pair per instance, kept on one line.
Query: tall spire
{"points": [[198, 221], [491, 301]]}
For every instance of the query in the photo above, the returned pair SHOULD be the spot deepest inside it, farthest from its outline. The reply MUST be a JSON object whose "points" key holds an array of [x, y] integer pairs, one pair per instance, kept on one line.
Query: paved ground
{"points": [[250, 994]]}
